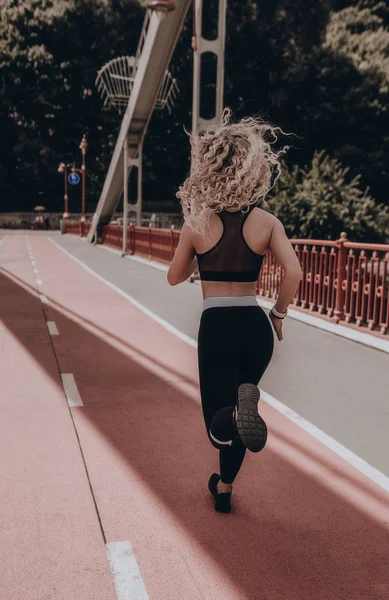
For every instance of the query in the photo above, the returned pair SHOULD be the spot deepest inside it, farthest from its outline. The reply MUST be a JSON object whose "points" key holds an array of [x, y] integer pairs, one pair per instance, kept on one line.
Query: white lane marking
{"points": [[153, 264], [52, 327], [71, 390], [144, 261], [39, 282], [43, 299], [127, 577], [346, 332], [310, 319], [108, 248], [354, 460], [2, 239], [365, 468], [148, 312], [36, 271], [33, 262]]}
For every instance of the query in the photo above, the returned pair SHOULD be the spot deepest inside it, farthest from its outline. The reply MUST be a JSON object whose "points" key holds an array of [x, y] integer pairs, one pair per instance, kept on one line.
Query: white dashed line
{"points": [[148, 312], [52, 327], [365, 468], [43, 299], [310, 319], [128, 580], [39, 282], [71, 390]]}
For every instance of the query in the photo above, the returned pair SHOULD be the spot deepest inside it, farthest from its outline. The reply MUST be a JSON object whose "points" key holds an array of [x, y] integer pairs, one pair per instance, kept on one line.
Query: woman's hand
{"points": [[277, 324]]}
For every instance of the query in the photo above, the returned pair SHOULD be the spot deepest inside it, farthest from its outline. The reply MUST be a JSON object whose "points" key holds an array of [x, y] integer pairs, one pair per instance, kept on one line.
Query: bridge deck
{"points": [[121, 468]]}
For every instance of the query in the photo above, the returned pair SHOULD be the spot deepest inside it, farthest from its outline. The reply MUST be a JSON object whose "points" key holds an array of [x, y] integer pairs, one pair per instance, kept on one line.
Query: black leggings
{"points": [[235, 345]]}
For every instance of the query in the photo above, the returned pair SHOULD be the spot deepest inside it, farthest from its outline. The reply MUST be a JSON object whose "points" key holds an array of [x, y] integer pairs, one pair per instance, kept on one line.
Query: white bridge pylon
{"points": [[157, 42], [146, 80]]}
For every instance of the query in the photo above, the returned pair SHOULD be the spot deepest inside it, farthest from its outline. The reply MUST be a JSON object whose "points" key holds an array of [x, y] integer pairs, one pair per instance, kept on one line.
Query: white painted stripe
{"points": [[310, 319], [43, 299], [154, 264], [341, 330], [139, 259], [2, 239], [127, 577], [33, 262], [39, 282], [108, 248], [36, 271], [140, 306], [52, 327], [71, 390], [365, 468], [354, 460]]}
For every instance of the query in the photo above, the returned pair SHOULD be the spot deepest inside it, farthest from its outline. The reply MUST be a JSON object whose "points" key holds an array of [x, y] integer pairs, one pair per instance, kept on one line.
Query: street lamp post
{"points": [[63, 168], [83, 147]]}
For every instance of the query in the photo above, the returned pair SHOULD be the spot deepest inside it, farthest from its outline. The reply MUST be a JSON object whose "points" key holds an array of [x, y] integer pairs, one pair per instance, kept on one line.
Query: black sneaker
{"points": [[222, 500], [250, 425]]}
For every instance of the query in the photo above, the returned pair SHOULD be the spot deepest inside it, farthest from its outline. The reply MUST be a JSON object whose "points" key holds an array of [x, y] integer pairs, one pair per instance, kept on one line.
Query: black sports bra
{"points": [[230, 259]]}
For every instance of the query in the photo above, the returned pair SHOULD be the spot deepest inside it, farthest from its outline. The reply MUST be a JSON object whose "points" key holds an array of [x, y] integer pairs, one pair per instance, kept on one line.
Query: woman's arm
{"points": [[283, 251], [184, 261]]}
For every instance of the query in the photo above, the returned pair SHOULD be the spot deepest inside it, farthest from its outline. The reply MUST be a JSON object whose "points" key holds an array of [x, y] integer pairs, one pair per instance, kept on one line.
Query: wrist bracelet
{"points": [[278, 314]]}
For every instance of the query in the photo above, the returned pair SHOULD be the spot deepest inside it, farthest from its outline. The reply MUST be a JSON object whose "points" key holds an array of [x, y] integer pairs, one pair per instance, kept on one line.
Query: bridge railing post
{"points": [[132, 239], [150, 241], [339, 314], [171, 242]]}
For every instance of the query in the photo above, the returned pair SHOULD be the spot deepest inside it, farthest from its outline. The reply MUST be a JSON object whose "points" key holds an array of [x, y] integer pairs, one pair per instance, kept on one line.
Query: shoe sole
{"points": [[251, 427]]}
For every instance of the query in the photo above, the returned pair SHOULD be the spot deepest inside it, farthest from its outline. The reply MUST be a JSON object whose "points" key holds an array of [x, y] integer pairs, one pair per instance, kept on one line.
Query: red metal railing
{"points": [[78, 228], [342, 280], [151, 243], [366, 285]]}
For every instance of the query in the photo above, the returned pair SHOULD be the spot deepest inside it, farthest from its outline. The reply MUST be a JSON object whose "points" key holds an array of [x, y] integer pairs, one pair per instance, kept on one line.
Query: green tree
{"points": [[49, 57], [322, 200], [316, 69]]}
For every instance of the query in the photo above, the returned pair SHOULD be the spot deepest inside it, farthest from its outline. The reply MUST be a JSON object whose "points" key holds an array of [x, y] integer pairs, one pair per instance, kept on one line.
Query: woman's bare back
{"points": [[257, 232]]}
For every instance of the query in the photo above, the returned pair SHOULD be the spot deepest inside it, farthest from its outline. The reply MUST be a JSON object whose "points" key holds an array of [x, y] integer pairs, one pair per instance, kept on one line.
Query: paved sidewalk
{"points": [[305, 523]]}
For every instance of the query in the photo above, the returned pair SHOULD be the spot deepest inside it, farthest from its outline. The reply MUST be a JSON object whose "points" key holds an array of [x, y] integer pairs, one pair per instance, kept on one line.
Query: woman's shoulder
{"points": [[262, 216]]}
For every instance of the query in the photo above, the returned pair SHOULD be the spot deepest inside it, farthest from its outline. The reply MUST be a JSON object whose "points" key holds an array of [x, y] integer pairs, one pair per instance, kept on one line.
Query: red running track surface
{"points": [[306, 525]]}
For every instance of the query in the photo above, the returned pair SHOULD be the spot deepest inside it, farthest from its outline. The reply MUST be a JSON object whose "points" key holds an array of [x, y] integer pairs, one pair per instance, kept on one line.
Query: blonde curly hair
{"points": [[232, 168]]}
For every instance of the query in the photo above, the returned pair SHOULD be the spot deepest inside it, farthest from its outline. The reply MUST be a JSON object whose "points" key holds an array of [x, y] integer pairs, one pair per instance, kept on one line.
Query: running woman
{"points": [[226, 236]]}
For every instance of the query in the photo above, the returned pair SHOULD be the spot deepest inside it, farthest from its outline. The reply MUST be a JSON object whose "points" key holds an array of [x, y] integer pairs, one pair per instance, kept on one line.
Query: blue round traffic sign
{"points": [[74, 178]]}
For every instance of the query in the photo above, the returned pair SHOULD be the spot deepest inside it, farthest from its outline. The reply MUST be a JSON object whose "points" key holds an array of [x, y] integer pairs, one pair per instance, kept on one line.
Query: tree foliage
{"points": [[322, 200], [318, 69], [49, 56]]}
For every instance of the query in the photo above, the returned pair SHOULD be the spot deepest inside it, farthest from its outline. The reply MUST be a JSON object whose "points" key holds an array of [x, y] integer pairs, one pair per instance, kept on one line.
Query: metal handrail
{"points": [[345, 281]]}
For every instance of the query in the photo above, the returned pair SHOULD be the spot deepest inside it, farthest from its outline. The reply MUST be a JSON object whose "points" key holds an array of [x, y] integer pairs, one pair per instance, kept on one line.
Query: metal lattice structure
{"points": [[115, 81], [149, 86]]}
